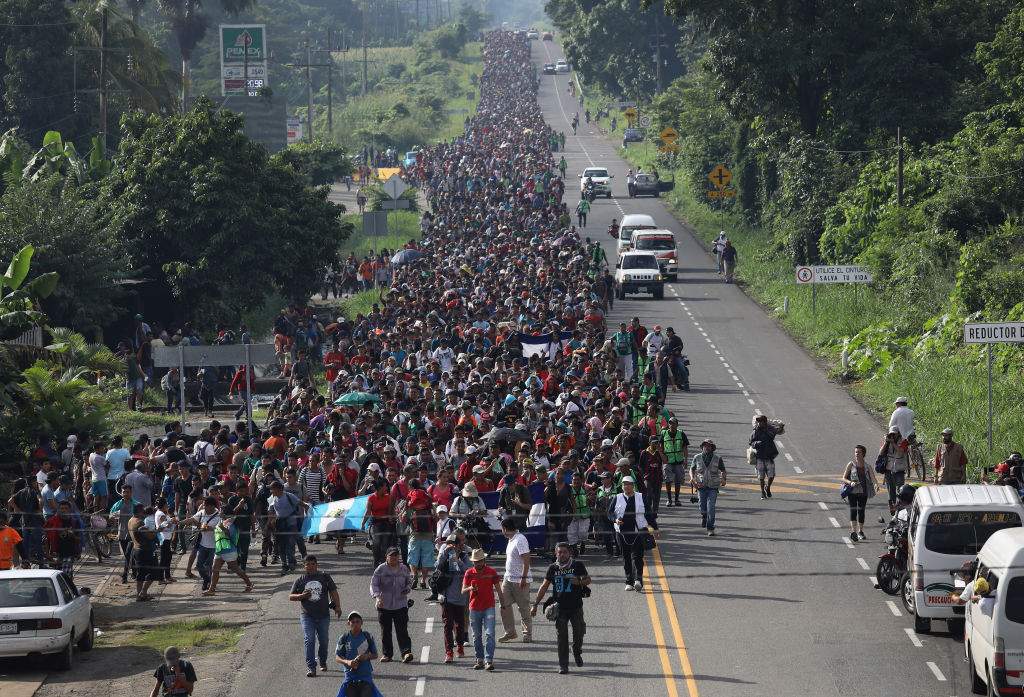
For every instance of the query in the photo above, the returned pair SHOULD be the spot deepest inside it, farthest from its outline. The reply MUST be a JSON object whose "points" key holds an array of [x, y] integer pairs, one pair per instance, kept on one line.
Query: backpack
{"points": [[226, 339], [301, 339], [421, 520], [440, 578], [622, 344]]}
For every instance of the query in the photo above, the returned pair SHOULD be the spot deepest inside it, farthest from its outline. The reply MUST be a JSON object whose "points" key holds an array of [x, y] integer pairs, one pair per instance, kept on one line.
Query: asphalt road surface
{"points": [[779, 603]]}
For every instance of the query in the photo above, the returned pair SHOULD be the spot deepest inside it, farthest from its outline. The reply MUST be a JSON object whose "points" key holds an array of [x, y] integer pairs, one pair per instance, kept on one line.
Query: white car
{"points": [[638, 272], [42, 612], [601, 178], [532, 35], [561, 66]]}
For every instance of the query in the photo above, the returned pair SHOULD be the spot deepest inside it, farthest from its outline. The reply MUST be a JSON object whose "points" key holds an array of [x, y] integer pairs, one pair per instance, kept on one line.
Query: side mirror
{"points": [[618, 264]]}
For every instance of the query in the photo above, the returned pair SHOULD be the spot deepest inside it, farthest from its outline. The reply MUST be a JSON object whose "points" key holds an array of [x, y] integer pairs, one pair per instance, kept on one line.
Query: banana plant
{"points": [[19, 301]]}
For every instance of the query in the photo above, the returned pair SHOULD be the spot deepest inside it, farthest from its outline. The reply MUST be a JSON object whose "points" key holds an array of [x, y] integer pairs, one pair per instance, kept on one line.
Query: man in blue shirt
{"points": [[356, 651], [117, 456]]}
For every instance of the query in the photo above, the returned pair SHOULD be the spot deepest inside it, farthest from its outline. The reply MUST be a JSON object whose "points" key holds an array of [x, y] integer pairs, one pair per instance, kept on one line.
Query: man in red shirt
{"points": [[482, 583], [334, 361]]}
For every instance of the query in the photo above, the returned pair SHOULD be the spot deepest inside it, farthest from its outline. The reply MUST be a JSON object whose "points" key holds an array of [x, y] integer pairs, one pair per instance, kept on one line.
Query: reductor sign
{"points": [[994, 333]]}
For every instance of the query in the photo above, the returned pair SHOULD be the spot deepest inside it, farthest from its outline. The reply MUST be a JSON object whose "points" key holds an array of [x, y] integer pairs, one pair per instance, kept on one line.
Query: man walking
{"points": [[950, 460], [582, 208], [677, 453], [312, 589], [481, 583], [390, 586], [515, 586], [902, 418], [729, 258], [567, 578], [356, 651], [707, 473], [762, 440]]}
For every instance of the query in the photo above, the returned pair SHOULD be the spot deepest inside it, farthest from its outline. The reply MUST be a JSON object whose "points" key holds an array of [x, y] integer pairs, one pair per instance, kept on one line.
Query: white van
{"points": [[994, 628], [631, 222], [948, 526]]}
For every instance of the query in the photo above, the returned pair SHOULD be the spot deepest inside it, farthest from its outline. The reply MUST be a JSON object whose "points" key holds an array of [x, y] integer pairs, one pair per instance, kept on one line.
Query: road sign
{"points": [[645, 122], [630, 114], [397, 204], [994, 333], [375, 224], [243, 57], [725, 193], [232, 354], [394, 186], [669, 135], [720, 176], [669, 148], [833, 274]]}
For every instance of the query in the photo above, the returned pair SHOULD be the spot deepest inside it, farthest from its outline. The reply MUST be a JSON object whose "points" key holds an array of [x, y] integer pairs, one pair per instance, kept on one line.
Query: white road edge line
{"points": [[935, 671], [835, 523], [913, 637], [863, 564], [428, 627], [892, 607], [822, 505]]}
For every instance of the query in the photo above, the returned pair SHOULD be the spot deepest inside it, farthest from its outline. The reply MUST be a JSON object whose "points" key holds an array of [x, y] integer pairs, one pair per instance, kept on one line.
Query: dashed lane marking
{"points": [[893, 609], [848, 542], [822, 505], [913, 637], [863, 564], [936, 672], [752, 402], [797, 470], [788, 456], [421, 686], [835, 523], [425, 654], [428, 627]]}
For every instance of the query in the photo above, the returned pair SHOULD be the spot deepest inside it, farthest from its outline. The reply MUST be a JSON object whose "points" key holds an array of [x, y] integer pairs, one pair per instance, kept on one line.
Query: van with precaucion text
{"points": [[949, 525]]}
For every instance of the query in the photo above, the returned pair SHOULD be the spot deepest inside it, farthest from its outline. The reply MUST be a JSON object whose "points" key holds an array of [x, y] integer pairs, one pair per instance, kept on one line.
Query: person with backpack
{"points": [[622, 342], [420, 518], [449, 569], [357, 651], [225, 536]]}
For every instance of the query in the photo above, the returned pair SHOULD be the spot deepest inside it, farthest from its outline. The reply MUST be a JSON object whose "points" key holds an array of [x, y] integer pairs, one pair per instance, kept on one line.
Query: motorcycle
{"points": [[893, 564], [589, 193]]}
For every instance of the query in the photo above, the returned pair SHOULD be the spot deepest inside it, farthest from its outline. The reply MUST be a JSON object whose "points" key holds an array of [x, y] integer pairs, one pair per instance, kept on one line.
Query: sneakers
{"points": [[861, 536], [637, 586], [459, 651], [853, 536], [489, 666], [563, 671], [527, 640], [629, 586], [479, 665], [768, 491], [505, 638], [323, 666], [608, 557], [448, 657], [310, 673], [711, 532], [764, 493], [407, 658], [385, 659]]}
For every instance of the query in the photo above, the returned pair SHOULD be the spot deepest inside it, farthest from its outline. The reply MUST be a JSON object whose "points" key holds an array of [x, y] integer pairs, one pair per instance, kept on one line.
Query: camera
{"points": [[694, 499]]}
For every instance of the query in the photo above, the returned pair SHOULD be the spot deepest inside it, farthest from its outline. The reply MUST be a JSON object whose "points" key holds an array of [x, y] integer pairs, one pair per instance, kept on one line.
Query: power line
{"points": [[41, 24]]}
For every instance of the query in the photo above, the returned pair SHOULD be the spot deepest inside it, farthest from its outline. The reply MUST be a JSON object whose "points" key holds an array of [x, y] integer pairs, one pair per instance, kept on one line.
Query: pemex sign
{"points": [[243, 58]]}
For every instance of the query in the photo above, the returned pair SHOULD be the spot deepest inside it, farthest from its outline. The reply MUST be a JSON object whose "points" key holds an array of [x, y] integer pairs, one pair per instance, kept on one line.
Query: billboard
{"points": [[243, 59]]}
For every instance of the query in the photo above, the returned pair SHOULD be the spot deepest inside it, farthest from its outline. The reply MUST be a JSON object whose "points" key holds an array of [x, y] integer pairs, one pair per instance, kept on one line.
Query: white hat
{"points": [[442, 508], [607, 443], [470, 490], [628, 479], [374, 467], [470, 450], [900, 400]]}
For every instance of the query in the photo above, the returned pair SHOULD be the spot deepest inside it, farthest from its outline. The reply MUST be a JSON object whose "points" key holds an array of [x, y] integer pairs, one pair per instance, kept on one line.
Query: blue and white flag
{"points": [[346, 514], [547, 345]]}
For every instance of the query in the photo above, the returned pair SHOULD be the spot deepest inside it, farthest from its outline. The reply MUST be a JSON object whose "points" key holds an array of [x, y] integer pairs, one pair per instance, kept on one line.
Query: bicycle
{"points": [[98, 536]]}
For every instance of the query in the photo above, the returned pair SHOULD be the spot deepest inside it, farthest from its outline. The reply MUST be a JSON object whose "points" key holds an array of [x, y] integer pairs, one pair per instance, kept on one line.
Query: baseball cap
{"points": [[628, 479]]}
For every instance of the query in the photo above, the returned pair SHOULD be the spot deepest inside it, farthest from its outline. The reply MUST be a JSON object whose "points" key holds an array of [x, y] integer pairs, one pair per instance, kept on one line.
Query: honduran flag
{"points": [[547, 345]]}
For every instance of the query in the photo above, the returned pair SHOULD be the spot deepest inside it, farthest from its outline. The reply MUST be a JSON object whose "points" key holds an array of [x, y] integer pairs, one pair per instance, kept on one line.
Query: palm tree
{"points": [[189, 25]]}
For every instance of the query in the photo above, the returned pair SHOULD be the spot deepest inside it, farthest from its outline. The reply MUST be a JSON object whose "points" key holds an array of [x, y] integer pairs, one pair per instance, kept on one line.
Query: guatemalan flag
{"points": [[347, 514], [547, 345]]}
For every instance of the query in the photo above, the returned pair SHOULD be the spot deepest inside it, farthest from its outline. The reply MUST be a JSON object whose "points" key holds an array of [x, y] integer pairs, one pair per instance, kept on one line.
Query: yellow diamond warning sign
{"points": [[630, 114], [720, 176], [669, 135]]}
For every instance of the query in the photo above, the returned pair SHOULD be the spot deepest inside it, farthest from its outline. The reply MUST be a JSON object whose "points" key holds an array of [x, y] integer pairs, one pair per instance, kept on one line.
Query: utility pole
{"points": [[899, 168], [330, 75], [103, 73], [309, 92], [362, 92], [657, 46]]}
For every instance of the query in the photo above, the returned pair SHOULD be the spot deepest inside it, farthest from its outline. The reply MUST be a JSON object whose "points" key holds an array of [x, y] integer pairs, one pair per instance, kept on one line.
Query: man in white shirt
{"points": [[206, 519], [444, 356], [515, 585], [654, 340], [902, 418]]}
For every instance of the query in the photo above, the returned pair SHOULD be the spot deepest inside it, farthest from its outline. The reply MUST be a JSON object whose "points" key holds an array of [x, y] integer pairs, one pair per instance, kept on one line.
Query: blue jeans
{"points": [[482, 622], [287, 533], [707, 498], [314, 629], [204, 563], [681, 369], [33, 542]]}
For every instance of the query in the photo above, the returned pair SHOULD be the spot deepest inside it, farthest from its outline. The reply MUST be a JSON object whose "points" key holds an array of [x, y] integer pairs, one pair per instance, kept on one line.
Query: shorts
{"points": [[228, 557], [765, 468], [99, 488], [136, 384], [421, 553], [675, 473]]}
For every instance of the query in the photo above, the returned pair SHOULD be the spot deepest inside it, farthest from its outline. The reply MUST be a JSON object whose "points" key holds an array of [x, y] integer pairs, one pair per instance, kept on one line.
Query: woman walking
{"points": [[863, 486]]}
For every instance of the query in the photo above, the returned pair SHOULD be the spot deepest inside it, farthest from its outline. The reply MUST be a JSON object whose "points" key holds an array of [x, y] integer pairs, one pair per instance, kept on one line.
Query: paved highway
{"points": [[779, 603]]}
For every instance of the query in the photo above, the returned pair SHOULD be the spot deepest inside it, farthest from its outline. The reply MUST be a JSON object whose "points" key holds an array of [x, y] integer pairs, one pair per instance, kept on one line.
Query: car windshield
{"points": [[645, 179], [640, 261], [965, 532], [596, 173], [655, 243], [27, 592]]}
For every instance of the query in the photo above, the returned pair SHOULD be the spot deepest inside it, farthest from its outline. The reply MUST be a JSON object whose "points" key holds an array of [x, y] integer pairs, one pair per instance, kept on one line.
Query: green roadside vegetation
{"points": [[194, 637], [815, 160]]}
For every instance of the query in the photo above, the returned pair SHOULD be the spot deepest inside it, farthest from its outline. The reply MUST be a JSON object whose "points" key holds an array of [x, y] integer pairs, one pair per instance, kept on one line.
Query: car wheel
{"points": [[609, 194], [674, 277], [659, 293], [88, 639], [64, 657], [978, 686]]}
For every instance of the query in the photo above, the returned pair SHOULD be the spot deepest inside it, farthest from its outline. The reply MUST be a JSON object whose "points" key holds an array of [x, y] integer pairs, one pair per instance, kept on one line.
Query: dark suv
{"points": [[632, 135]]}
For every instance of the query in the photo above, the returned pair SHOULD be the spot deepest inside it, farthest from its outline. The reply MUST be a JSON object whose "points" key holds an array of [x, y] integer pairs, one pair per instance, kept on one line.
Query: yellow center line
{"points": [[677, 632], [659, 638]]}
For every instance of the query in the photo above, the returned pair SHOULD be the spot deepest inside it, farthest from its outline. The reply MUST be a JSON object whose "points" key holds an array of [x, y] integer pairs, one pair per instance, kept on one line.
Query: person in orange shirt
{"points": [[12, 551], [276, 443], [366, 273]]}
